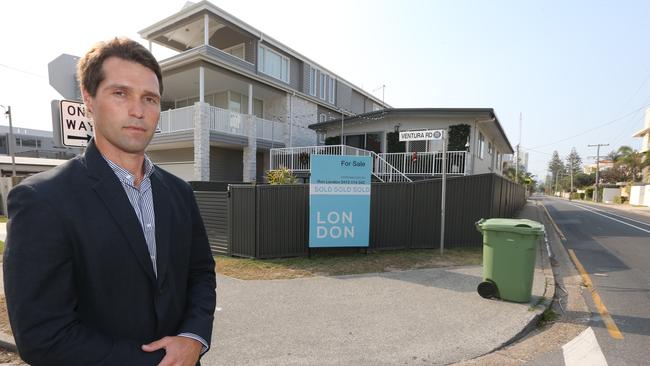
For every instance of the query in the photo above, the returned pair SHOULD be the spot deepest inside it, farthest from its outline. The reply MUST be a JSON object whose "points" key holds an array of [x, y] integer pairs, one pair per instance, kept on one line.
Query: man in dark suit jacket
{"points": [[107, 260]]}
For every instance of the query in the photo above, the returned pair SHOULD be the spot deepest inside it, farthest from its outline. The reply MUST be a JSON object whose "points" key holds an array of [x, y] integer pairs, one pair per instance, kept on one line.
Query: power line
{"points": [[23, 71], [625, 130], [536, 151], [595, 128]]}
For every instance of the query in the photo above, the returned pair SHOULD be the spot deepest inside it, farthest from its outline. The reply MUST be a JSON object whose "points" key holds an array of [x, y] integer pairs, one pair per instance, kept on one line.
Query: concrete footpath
{"points": [[418, 317]]}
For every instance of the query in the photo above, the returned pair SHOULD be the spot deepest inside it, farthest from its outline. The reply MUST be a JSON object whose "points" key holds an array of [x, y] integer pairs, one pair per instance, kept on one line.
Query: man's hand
{"points": [[179, 351]]}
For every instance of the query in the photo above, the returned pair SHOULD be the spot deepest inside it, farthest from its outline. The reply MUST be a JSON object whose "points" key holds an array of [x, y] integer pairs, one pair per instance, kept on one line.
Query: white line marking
{"points": [[611, 218], [613, 214], [584, 350]]}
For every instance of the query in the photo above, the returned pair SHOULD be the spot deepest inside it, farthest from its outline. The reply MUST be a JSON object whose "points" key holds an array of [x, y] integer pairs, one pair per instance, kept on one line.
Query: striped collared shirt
{"points": [[141, 199]]}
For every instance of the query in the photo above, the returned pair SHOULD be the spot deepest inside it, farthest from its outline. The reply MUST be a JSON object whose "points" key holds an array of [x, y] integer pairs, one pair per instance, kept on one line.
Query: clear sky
{"points": [[578, 71]]}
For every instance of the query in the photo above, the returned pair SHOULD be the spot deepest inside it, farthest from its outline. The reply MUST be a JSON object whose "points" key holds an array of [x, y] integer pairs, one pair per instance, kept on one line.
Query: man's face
{"points": [[125, 108]]}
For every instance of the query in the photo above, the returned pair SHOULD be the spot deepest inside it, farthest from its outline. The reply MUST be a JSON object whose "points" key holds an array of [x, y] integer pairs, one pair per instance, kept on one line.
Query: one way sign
{"points": [[76, 126]]}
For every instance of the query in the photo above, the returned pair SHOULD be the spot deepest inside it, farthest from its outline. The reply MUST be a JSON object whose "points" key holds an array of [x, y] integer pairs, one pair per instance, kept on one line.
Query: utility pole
{"points": [[11, 142], [571, 172], [517, 158], [597, 146]]}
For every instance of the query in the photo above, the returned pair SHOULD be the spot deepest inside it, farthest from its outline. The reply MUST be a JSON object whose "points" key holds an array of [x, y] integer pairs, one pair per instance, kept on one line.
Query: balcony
{"points": [[221, 121]]}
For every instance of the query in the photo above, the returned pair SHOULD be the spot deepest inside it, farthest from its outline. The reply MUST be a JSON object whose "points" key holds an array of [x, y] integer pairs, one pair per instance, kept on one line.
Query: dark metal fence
{"points": [[266, 221], [212, 199]]}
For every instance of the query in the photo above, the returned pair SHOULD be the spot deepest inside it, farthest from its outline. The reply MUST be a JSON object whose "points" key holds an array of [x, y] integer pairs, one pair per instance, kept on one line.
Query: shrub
{"points": [[620, 199], [280, 176]]}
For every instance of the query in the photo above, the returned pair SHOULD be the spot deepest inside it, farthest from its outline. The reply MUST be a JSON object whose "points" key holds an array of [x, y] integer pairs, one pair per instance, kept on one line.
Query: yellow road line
{"points": [[557, 229], [614, 332]]}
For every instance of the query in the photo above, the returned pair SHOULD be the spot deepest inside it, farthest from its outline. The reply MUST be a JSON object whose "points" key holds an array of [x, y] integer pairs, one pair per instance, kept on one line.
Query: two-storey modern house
{"points": [[232, 93]]}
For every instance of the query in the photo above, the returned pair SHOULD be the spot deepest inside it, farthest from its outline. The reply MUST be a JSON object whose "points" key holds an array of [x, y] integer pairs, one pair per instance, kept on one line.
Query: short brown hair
{"points": [[89, 67]]}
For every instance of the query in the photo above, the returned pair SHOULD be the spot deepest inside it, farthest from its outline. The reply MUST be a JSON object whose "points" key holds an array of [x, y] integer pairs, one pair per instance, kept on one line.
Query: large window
{"points": [[321, 85], [273, 64], [331, 90], [369, 141], [312, 81], [356, 141], [481, 145], [499, 160]]}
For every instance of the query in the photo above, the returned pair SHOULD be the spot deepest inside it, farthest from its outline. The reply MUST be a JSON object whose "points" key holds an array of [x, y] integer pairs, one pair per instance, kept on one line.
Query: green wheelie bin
{"points": [[509, 248]]}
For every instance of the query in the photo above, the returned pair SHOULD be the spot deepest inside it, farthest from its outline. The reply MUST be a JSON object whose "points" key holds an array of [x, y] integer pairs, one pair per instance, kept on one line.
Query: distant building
{"points": [[523, 160], [604, 164], [34, 144], [645, 145], [645, 133]]}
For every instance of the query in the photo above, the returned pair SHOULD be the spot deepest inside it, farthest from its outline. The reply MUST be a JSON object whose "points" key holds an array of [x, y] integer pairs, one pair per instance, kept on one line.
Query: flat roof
{"points": [[373, 116]]}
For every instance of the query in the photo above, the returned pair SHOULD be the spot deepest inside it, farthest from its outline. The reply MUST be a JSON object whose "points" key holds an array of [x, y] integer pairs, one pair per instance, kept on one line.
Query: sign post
{"points": [[427, 135], [444, 192]]}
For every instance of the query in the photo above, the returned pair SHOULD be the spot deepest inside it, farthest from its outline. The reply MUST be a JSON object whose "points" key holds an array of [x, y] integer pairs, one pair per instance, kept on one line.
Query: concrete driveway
{"points": [[429, 316]]}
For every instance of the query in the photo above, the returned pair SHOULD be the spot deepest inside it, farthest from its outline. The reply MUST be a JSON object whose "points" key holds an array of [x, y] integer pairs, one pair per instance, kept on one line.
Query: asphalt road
{"points": [[613, 246]]}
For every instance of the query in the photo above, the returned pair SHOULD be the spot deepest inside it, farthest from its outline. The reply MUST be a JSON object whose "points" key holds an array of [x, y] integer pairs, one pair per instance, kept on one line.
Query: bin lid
{"points": [[520, 226]]}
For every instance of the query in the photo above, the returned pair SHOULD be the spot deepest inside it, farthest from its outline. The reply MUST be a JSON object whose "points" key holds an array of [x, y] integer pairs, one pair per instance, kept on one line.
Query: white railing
{"points": [[269, 130], [297, 159], [428, 163], [179, 119], [223, 120]]}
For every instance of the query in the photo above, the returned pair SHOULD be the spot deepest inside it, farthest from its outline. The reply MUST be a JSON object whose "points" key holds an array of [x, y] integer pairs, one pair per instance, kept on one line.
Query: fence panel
{"points": [[213, 207], [390, 215], [283, 220], [242, 222], [425, 229], [468, 200]]}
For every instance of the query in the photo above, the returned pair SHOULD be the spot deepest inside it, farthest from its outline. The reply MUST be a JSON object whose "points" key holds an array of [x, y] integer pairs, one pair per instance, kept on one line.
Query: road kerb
{"points": [[613, 330]]}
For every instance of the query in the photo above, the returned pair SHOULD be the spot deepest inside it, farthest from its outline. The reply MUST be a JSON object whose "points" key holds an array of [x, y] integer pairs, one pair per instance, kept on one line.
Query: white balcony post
{"points": [[250, 99], [206, 29], [202, 83], [290, 120]]}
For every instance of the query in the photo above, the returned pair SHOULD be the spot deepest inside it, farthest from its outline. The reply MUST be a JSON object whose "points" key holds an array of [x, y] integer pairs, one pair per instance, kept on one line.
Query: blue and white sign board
{"points": [[339, 201]]}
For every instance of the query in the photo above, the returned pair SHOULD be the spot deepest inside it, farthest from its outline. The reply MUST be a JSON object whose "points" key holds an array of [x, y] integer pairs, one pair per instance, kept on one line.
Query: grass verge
{"points": [[4, 316], [547, 317], [345, 263]]}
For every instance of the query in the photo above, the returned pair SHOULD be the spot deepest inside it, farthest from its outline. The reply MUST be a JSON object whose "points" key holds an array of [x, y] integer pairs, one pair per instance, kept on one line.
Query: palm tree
{"points": [[632, 163]]}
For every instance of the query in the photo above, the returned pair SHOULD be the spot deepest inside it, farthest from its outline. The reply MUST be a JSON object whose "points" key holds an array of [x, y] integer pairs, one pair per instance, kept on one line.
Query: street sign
{"points": [[422, 135], [76, 126], [62, 73]]}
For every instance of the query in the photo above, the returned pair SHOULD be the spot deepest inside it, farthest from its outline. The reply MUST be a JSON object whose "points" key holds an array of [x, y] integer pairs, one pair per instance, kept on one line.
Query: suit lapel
{"points": [[112, 194], [163, 211]]}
